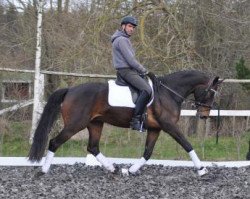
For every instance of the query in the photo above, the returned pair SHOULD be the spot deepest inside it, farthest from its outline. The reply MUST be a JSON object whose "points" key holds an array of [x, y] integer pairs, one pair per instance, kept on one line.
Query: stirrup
{"points": [[136, 124], [142, 127], [138, 127]]}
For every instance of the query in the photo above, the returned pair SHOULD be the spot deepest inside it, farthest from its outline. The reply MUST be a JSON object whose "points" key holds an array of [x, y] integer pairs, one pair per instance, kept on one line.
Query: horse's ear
{"points": [[217, 81], [220, 81]]}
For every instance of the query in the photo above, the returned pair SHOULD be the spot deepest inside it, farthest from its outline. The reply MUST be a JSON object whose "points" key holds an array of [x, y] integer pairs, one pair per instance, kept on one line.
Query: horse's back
{"points": [[86, 94], [90, 88]]}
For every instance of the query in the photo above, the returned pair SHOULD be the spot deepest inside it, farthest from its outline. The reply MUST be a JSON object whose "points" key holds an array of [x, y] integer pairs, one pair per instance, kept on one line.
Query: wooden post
{"points": [[39, 78], [247, 122], [233, 123], [208, 127]]}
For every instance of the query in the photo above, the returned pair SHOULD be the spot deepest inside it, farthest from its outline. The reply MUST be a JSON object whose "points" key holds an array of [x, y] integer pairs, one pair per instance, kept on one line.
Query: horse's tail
{"points": [[45, 124]]}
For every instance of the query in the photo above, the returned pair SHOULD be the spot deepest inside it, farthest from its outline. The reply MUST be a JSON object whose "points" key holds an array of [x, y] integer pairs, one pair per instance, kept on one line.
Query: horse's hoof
{"points": [[39, 174], [116, 171], [202, 171], [137, 173], [125, 172], [45, 169]]}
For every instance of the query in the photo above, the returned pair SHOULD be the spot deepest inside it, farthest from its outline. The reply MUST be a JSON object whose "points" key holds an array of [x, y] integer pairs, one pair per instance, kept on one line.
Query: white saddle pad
{"points": [[121, 95]]}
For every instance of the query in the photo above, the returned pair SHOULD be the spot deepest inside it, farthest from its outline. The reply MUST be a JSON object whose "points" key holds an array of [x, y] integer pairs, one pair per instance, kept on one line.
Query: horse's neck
{"points": [[183, 85], [186, 86]]}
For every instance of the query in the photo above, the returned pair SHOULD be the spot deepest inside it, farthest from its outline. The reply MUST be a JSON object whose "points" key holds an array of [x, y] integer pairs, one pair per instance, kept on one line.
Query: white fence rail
{"points": [[16, 106], [95, 75], [90, 160], [229, 113]]}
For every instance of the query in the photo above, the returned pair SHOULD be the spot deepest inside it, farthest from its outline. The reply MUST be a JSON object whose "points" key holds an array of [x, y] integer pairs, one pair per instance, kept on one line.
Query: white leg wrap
{"points": [[135, 167], [48, 161], [105, 162], [195, 159], [197, 163]]}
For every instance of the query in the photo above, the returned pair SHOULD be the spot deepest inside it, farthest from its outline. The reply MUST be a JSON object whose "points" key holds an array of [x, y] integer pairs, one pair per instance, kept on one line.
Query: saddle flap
{"points": [[122, 96]]}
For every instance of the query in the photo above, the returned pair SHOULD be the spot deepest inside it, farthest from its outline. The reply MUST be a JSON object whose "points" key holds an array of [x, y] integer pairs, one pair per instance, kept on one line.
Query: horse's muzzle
{"points": [[203, 114], [203, 117]]}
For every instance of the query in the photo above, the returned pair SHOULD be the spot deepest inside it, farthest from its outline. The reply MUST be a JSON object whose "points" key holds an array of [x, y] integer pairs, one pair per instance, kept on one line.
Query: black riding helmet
{"points": [[129, 19]]}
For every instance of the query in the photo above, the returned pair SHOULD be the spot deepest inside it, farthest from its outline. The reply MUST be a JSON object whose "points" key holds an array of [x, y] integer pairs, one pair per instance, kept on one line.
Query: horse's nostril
{"points": [[203, 117]]}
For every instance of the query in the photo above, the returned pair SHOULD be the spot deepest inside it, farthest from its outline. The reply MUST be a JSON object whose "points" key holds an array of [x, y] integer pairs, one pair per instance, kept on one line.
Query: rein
{"points": [[200, 104], [188, 100]]}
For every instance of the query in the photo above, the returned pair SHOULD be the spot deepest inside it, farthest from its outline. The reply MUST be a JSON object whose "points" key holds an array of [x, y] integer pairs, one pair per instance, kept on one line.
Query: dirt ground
{"points": [[81, 181]]}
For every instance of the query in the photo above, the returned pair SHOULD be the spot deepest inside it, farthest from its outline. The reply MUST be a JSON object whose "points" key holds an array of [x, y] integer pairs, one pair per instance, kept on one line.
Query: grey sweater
{"points": [[123, 53]]}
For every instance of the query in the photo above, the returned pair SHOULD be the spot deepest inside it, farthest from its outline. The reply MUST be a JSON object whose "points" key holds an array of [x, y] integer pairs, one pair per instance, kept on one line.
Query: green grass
{"points": [[15, 139], [124, 143]]}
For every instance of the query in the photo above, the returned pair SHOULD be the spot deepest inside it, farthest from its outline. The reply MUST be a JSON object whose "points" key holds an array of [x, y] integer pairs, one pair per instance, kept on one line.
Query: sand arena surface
{"points": [[81, 181]]}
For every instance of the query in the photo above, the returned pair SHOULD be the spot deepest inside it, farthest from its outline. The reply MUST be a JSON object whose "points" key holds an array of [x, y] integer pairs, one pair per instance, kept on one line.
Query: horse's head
{"points": [[204, 97]]}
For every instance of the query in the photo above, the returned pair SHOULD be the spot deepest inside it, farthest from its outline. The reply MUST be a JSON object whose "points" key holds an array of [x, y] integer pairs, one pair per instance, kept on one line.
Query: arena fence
{"points": [[90, 160], [189, 113]]}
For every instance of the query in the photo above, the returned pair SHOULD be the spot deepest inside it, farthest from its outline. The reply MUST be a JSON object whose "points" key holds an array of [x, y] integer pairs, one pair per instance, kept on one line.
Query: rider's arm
{"points": [[127, 52]]}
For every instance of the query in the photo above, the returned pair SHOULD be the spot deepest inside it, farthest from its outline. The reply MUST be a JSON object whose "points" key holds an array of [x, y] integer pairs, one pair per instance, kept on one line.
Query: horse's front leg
{"points": [[152, 137], [174, 132]]}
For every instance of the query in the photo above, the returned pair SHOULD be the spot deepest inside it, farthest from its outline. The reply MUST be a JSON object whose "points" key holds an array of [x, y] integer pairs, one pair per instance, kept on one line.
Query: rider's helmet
{"points": [[129, 19]]}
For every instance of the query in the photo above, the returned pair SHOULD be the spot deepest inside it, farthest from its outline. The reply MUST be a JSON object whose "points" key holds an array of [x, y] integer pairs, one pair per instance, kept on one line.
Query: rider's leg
{"points": [[140, 106], [133, 78]]}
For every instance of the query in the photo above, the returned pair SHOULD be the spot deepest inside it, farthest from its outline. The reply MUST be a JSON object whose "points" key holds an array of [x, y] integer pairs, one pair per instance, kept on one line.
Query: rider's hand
{"points": [[144, 74]]}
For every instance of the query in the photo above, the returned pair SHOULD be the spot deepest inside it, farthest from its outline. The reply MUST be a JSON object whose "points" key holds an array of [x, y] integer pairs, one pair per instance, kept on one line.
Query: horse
{"points": [[86, 106]]}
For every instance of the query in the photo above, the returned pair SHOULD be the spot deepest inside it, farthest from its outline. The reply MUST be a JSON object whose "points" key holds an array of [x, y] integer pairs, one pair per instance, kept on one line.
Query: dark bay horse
{"points": [[86, 106]]}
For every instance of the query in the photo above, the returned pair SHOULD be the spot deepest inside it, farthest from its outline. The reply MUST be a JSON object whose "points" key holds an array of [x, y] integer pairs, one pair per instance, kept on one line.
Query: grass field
{"points": [[117, 142]]}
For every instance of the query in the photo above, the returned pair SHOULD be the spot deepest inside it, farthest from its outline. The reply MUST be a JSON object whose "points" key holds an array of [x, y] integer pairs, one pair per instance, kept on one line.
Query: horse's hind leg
{"points": [[55, 143], [95, 130]]}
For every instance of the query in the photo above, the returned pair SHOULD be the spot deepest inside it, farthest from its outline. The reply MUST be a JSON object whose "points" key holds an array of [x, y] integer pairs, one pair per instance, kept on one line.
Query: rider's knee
{"points": [[147, 91]]}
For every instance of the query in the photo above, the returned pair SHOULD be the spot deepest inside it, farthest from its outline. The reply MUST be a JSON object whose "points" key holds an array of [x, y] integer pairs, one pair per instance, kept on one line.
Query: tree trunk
{"points": [[51, 5], [66, 6], [59, 6]]}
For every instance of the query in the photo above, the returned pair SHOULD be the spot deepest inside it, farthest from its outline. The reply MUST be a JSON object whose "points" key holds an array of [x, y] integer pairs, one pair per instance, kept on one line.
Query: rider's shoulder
{"points": [[122, 39]]}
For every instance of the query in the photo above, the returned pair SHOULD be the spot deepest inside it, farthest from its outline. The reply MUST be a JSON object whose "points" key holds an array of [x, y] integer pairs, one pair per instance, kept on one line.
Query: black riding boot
{"points": [[136, 122]]}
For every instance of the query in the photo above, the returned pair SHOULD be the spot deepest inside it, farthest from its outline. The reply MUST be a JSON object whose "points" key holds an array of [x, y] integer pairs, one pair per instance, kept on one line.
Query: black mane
{"points": [[177, 76], [181, 82]]}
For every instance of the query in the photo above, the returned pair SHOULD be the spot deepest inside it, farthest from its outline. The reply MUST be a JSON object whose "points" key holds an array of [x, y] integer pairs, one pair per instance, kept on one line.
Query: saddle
{"points": [[124, 95], [134, 92]]}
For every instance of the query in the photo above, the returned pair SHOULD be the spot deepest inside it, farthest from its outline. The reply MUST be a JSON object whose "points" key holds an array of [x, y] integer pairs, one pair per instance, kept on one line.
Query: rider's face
{"points": [[128, 28]]}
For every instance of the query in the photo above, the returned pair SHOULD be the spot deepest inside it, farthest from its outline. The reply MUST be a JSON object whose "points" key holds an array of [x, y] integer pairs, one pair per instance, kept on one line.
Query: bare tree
{"points": [[66, 5], [59, 6]]}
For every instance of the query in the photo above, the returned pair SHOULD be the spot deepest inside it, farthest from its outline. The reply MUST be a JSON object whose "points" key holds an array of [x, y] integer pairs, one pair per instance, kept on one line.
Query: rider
{"points": [[129, 69]]}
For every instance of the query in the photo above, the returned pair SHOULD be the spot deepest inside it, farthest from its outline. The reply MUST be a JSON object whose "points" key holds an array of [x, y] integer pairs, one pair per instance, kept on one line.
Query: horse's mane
{"points": [[172, 77]]}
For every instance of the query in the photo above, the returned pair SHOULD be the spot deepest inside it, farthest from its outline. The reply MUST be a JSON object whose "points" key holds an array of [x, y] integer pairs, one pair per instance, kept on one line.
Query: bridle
{"points": [[198, 104], [194, 102]]}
